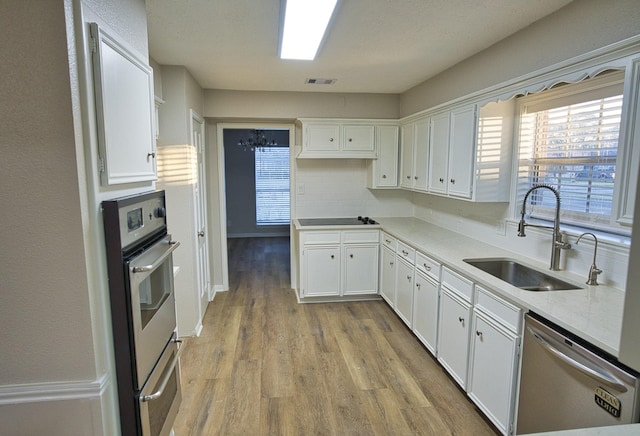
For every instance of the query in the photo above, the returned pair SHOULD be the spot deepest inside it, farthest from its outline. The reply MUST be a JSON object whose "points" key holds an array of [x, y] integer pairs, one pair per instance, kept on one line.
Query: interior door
{"points": [[202, 247]]}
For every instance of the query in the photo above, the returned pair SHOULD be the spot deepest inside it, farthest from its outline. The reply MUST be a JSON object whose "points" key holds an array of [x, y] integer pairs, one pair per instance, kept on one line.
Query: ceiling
{"points": [[373, 46]]}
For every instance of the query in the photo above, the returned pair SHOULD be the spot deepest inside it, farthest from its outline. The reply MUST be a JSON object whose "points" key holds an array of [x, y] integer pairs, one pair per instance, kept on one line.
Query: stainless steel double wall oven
{"points": [[140, 268]]}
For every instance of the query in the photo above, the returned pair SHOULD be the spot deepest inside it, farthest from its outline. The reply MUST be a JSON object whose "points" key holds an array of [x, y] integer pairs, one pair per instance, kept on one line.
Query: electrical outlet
{"points": [[300, 189]]}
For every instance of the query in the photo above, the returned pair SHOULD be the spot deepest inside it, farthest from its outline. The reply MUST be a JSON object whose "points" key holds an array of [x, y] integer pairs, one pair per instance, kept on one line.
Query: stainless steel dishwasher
{"points": [[565, 385]]}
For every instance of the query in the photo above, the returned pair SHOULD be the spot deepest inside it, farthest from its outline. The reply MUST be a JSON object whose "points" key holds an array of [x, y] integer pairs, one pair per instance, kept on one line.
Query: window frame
{"points": [[571, 93]]}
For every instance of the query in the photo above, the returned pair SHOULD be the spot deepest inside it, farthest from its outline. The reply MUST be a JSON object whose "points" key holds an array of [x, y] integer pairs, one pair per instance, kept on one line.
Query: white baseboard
{"points": [[56, 391]]}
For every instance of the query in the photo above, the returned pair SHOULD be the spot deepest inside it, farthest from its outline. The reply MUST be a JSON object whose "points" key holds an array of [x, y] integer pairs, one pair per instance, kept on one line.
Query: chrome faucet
{"points": [[557, 243], [593, 270]]}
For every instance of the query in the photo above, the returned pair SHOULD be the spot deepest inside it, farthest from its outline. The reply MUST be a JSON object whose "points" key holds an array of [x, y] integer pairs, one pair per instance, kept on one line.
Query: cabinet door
{"points": [[388, 276], [421, 154], [425, 310], [360, 269], [322, 137], [492, 372], [453, 336], [439, 153], [124, 106], [321, 271], [406, 151], [386, 166], [404, 291], [462, 151], [358, 138]]}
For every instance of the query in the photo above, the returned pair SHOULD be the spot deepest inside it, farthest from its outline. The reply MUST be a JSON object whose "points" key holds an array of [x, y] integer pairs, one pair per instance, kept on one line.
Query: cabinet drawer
{"points": [[406, 252], [458, 284], [428, 266], [356, 236], [319, 238], [498, 308], [388, 241]]}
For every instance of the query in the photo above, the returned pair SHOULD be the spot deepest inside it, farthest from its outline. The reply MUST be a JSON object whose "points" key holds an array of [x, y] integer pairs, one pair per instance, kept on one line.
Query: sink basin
{"points": [[520, 275]]}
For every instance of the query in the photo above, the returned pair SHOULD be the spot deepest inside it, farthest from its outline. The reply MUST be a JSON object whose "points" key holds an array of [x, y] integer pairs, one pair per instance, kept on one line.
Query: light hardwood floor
{"points": [[265, 365]]}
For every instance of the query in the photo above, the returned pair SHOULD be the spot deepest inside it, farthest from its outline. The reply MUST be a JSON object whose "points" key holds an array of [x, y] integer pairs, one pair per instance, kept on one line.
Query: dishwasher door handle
{"points": [[596, 372]]}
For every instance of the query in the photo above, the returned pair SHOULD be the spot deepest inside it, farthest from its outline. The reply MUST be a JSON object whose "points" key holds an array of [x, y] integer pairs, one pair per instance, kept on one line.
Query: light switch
{"points": [[300, 189]]}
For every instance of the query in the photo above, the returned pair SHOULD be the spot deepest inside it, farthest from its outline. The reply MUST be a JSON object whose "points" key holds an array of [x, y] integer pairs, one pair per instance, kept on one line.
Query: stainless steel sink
{"points": [[521, 276]]}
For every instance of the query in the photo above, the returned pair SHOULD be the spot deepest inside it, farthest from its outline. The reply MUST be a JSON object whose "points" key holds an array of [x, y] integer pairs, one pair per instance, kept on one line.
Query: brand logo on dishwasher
{"points": [[607, 401]]}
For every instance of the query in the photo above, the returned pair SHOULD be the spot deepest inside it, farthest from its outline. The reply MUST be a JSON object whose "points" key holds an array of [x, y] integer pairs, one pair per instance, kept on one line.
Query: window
{"points": [[568, 139], [272, 186]]}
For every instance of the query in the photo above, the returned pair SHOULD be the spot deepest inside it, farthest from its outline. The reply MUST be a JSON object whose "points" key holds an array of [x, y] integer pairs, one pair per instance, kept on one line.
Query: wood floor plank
{"points": [[266, 365]]}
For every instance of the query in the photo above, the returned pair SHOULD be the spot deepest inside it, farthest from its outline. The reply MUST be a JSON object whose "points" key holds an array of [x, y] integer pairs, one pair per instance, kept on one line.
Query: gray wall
{"points": [[240, 186], [579, 27]]}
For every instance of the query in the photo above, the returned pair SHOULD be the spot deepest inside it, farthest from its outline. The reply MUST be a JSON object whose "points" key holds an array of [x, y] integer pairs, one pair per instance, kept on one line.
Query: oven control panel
{"points": [[139, 216]]}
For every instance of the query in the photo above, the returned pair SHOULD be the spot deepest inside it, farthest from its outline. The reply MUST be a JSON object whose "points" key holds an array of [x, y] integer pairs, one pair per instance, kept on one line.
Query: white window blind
{"points": [[569, 140], [272, 186]]}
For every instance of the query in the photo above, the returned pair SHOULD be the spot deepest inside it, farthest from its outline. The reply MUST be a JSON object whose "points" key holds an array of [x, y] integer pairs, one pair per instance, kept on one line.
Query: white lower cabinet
{"points": [[453, 335], [338, 263], [388, 275], [360, 269], [404, 291], [493, 360], [321, 271], [425, 310]]}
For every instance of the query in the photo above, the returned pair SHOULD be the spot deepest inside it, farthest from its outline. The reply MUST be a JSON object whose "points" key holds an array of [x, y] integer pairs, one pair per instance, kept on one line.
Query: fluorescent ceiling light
{"points": [[305, 23]]}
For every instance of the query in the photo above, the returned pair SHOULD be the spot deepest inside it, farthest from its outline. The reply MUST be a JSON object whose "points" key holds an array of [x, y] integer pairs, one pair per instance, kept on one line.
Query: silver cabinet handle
{"points": [[409, 278], [165, 379], [441, 180], [201, 233], [153, 155], [384, 176], [427, 267], [351, 256], [330, 139], [418, 286], [415, 177], [453, 181], [461, 319], [594, 371], [479, 334], [408, 177], [350, 140], [406, 253], [332, 256]]}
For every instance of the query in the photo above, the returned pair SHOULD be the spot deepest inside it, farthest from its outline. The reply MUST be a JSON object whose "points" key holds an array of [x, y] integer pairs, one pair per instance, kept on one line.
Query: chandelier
{"points": [[257, 140]]}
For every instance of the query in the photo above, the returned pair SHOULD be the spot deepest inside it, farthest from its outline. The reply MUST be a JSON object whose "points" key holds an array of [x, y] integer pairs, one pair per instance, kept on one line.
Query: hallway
{"points": [[267, 365]]}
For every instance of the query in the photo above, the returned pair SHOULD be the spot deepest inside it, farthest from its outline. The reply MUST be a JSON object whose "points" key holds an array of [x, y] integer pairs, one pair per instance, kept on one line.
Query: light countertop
{"points": [[593, 313]]}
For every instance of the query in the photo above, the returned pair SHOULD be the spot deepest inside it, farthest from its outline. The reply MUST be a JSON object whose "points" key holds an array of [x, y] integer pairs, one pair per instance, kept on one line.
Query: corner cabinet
{"points": [[125, 106], [383, 171], [342, 138]]}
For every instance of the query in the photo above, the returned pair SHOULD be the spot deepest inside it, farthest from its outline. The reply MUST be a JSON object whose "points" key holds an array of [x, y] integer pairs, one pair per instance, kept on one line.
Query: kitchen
{"points": [[63, 340]]}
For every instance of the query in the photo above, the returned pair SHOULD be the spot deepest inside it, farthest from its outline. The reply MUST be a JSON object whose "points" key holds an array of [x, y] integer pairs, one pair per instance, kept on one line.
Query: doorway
{"points": [[228, 136]]}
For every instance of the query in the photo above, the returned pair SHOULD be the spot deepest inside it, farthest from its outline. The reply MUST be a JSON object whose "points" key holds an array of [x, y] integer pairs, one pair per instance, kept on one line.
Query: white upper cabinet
{"points": [[451, 156], [414, 154], [462, 151], [470, 152], [383, 172], [125, 106], [326, 138]]}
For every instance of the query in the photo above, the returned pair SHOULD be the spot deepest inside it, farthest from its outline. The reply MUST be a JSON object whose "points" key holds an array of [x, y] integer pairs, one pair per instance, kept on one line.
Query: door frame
{"points": [[220, 127]]}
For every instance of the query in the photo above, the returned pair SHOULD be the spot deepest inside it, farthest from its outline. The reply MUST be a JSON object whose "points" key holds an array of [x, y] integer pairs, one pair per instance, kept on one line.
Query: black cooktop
{"points": [[359, 221]]}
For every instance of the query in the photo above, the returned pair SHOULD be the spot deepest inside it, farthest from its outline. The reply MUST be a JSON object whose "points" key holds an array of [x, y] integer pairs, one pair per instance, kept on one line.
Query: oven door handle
{"points": [[165, 379], [146, 268]]}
